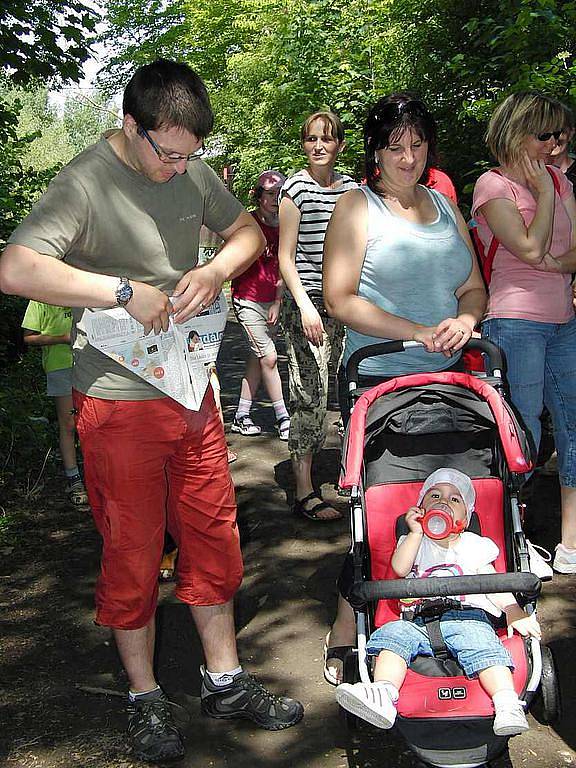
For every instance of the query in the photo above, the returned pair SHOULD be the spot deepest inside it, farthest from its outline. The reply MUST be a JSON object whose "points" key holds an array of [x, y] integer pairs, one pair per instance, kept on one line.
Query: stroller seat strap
{"points": [[431, 611], [432, 627]]}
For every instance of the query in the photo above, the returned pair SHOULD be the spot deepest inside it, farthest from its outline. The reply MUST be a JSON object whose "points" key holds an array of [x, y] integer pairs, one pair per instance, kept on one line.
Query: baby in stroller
{"points": [[444, 550]]}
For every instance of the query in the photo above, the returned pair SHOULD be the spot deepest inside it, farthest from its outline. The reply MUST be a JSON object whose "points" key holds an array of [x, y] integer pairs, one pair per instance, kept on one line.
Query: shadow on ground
{"points": [[62, 703]]}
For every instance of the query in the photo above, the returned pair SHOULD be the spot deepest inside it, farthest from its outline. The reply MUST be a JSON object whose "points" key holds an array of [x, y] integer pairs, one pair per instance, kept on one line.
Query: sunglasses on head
{"points": [[394, 110], [547, 135]]}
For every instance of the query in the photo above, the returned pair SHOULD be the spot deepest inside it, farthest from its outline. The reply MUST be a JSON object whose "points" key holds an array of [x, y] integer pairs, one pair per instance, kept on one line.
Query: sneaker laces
{"points": [[157, 713], [253, 687]]}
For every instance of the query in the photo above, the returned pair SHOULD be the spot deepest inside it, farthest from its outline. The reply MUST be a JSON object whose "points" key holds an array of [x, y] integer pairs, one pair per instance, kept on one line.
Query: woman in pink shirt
{"points": [[528, 206]]}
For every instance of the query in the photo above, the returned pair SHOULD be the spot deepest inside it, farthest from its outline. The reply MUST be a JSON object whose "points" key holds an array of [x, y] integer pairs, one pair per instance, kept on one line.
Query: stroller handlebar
{"points": [[446, 586], [492, 352]]}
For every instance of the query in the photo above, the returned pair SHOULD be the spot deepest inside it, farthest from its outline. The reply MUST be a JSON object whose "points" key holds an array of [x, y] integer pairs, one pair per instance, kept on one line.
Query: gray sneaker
{"points": [[153, 735], [246, 698]]}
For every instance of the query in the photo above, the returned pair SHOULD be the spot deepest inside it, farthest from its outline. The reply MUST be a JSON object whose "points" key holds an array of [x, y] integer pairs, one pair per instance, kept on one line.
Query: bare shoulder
{"points": [[352, 201]]}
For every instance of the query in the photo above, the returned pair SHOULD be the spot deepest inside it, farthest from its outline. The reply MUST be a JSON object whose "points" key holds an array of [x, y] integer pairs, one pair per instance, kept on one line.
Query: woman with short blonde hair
{"points": [[526, 208]]}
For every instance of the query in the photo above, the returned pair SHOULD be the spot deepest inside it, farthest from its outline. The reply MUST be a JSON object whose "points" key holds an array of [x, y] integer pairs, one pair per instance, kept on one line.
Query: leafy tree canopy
{"points": [[268, 63], [45, 38]]}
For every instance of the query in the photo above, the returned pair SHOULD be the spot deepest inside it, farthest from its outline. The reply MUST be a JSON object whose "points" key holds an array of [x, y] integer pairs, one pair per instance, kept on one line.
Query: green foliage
{"points": [[85, 118], [45, 38], [27, 438], [19, 185], [35, 141], [269, 63]]}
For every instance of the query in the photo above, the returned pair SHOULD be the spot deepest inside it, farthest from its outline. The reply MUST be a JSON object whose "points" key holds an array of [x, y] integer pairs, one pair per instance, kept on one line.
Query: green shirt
{"points": [[51, 321], [102, 216]]}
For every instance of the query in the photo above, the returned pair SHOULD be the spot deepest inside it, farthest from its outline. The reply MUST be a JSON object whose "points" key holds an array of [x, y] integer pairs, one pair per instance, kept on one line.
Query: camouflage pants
{"points": [[308, 370]]}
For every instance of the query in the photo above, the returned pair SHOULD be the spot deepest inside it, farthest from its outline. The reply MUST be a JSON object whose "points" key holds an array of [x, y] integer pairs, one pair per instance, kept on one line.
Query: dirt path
{"points": [[50, 646]]}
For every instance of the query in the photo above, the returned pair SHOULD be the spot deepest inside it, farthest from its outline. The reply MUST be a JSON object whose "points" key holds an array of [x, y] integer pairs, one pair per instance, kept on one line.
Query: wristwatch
{"points": [[124, 292]]}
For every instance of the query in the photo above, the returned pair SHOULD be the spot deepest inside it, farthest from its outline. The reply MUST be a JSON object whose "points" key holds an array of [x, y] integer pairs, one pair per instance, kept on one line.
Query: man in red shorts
{"points": [[119, 226]]}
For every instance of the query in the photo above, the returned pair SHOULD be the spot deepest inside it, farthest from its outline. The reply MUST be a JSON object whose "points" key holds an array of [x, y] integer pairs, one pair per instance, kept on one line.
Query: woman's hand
{"points": [[273, 312], [312, 325], [425, 335], [548, 264], [451, 335], [413, 518], [537, 177], [447, 337]]}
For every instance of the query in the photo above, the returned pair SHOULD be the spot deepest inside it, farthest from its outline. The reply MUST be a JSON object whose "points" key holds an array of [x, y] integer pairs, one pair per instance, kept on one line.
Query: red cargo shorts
{"points": [[151, 464]]}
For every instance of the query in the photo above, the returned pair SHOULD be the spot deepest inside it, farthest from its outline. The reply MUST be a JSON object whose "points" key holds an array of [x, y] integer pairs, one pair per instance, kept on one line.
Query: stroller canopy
{"points": [[403, 429]]}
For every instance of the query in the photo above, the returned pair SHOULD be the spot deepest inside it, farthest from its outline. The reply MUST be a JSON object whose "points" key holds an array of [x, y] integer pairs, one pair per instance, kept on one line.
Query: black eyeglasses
{"points": [[547, 135], [169, 157]]}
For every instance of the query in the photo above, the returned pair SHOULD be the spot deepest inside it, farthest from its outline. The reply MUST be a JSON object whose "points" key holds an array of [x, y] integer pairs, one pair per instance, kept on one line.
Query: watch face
{"points": [[123, 293]]}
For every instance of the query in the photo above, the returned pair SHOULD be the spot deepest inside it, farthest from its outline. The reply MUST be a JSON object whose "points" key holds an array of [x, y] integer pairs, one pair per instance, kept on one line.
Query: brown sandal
{"points": [[299, 508]]}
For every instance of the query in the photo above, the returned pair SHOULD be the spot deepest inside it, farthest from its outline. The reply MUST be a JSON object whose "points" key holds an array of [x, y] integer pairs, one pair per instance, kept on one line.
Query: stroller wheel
{"points": [[551, 705]]}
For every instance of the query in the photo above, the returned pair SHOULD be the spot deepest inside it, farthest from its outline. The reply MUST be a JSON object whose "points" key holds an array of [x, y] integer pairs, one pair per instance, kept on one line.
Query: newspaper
{"points": [[177, 361]]}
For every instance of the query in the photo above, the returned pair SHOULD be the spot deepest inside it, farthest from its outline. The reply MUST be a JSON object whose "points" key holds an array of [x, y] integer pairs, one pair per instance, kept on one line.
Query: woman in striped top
{"points": [[312, 338]]}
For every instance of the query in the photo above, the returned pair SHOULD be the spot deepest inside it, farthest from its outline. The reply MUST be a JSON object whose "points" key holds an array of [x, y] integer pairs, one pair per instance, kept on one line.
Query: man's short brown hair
{"points": [[169, 94]]}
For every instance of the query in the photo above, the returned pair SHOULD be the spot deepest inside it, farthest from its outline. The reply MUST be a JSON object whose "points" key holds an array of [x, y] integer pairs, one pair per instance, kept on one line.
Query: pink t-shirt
{"points": [[260, 280], [516, 289]]}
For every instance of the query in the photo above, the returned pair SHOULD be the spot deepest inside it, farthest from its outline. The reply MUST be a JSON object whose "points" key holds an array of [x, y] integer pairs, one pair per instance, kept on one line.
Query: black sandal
{"points": [[336, 653], [312, 514]]}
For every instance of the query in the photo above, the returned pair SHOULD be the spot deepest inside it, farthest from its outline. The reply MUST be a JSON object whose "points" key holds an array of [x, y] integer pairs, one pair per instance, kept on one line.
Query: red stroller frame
{"points": [[445, 717]]}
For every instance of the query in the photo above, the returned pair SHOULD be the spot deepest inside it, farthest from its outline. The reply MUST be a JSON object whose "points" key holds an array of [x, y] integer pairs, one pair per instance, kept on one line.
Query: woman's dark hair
{"points": [[387, 120], [170, 94]]}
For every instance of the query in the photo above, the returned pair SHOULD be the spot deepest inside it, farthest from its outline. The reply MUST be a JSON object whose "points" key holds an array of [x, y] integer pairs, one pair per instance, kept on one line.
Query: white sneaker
{"points": [[510, 721], [245, 426], [369, 701], [564, 560]]}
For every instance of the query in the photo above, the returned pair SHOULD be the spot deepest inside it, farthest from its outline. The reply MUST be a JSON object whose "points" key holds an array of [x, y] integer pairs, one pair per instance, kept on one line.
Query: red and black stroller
{"points": [[399, 432]]}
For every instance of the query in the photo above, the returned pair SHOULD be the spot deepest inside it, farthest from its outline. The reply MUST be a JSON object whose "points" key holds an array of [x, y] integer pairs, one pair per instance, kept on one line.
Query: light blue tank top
{"points": [[413, 271]]}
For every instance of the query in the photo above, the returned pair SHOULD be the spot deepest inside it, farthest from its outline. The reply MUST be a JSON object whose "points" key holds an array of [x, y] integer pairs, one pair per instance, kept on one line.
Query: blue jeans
{"points": [[468, 634], [541, 370]]}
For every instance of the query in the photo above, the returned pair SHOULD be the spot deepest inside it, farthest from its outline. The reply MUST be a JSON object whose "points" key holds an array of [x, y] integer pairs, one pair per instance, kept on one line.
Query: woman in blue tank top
{"points": [[398, 261], [398, 264]]}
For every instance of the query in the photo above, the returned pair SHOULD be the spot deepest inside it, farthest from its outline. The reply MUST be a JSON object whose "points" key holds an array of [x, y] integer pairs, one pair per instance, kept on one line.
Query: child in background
{"points": [[49, 327], [467, 630], [256, 298]]}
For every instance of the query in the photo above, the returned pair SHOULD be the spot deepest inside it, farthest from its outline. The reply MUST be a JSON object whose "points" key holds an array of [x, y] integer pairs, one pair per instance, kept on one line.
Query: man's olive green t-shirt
{"points": [[101, 216]]}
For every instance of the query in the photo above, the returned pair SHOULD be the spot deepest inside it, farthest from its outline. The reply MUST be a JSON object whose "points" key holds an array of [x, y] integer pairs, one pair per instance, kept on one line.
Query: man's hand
{"points": [[196, 290], [150, 307]]}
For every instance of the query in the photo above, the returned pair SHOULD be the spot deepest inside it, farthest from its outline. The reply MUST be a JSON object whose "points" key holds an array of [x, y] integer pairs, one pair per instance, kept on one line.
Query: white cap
{"points": [[455, 478]]}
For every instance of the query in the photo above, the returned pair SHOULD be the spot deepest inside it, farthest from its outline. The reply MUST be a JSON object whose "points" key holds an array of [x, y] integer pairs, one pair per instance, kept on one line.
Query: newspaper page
{"points": [[176, 361]]}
